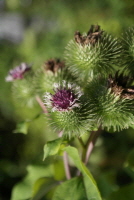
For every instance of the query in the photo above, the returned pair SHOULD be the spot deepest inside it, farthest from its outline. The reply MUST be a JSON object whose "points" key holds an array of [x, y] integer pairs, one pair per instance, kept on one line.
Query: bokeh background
{"points": [[33, 31]]}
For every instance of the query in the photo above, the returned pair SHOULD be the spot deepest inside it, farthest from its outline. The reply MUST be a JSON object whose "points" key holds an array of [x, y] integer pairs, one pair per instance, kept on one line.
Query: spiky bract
{"points": [[24, 92], [127, 42], [86, 60], [67, 111], [44, 80], [71, 123], [110, 110], [49, 74]]}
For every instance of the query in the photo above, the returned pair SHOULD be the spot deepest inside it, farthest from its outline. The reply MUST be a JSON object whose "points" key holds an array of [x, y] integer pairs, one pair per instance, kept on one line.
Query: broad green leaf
{"points": [[89, 182], [42, 186], [24, 189], [22, 127], [124, 193], [53, 147], [72, 189]]}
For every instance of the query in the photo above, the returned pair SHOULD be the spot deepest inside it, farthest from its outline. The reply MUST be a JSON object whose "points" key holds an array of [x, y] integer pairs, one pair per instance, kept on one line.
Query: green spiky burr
{"points": [[127, 42], [86, 55]]}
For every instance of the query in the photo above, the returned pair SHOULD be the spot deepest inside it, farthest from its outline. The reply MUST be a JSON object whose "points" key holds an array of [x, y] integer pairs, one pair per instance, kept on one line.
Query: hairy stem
{"points": [[66, 166], [41, 104], [65, 161], [91, 143], [65, 157]]}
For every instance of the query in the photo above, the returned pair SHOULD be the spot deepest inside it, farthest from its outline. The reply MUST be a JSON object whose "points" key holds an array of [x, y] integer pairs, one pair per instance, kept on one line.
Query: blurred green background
{"points": [[33, 31]]}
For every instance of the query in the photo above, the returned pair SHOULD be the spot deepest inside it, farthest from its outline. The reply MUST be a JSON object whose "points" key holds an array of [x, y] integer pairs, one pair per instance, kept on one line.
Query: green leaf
{"points": [[71, 189], [22, 127], [53, 147], [92, 191], [42, 186], [24, 189], [124, 193]]}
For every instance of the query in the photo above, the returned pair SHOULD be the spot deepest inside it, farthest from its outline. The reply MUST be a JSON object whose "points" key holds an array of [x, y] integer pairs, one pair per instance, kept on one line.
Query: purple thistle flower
{"points": [[18, 72], [65, 98]]}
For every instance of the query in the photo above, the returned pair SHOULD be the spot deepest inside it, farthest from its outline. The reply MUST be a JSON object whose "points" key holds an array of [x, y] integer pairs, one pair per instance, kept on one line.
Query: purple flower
{"points": [[65, 97], [18, 72]]}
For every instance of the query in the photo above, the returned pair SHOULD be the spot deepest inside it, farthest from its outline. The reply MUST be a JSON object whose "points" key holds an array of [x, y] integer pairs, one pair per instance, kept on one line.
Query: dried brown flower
{"points": [[54, 65], [121, 85], [92, 37]]}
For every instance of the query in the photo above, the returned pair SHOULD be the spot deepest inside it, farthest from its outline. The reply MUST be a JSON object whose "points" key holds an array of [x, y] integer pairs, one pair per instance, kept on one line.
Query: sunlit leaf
{"points": [[53, 147], [72, 189], [22, 127], [91, 189]]}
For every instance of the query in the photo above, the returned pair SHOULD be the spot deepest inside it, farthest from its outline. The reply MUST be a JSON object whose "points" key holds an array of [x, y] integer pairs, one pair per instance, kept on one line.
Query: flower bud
{"points": [[127, 43], [52, 71], [113, 106], [18, 72], [92, 53], [24, 92]]}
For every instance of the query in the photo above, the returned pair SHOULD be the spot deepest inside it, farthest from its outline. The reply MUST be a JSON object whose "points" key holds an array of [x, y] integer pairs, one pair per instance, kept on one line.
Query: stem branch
{"points": [[91, 143], [65, 157], [66, 166], [41, 104], [65, 161], [81, 142]]}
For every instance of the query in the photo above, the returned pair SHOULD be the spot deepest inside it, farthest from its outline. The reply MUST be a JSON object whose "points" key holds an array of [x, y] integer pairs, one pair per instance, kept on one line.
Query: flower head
{"points": [[54, 65], [121, 85], [18, 72], [65, 97], [93, 35]]}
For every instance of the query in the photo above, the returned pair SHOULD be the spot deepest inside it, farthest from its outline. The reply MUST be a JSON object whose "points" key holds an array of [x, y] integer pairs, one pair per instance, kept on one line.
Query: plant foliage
{"points": [[90, 92]]}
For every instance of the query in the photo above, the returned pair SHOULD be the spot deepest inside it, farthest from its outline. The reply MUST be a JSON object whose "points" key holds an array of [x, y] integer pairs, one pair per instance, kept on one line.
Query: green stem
{"points": [[81, 142], [91, 143], [65, 161], [65, 157]]}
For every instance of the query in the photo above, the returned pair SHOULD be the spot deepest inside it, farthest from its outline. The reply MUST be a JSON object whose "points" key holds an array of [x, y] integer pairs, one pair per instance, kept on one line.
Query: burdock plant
{"points": [[91, 91]]}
